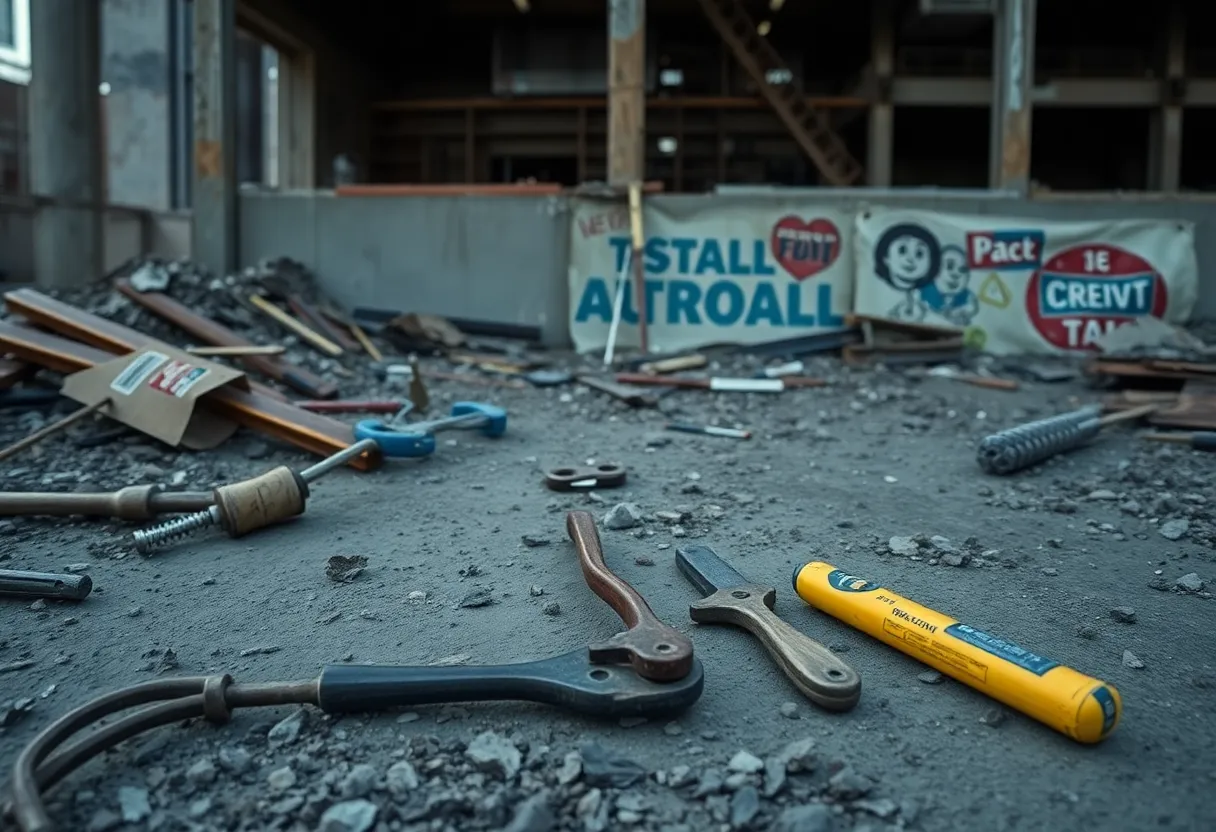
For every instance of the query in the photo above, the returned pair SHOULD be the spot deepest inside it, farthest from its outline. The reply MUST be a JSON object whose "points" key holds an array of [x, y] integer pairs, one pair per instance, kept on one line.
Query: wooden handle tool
{"points": [[731, 599]]}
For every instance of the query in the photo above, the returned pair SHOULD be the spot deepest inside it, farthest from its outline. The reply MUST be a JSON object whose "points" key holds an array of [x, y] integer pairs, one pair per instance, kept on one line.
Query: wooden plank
{"points": [[1195, 409], [312, 432], [91, 329], [626, 92]]}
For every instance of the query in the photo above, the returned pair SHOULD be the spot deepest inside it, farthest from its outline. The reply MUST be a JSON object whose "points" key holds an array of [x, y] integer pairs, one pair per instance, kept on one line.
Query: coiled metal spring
{"points": [[148, 539], [1017, 448]]}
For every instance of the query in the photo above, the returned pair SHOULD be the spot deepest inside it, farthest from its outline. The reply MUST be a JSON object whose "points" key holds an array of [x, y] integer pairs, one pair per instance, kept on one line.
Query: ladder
{"points": [[758, 58]]}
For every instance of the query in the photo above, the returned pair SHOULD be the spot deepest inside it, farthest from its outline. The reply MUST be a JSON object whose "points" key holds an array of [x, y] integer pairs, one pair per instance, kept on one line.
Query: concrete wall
{"points": [[497, 258], [135, 63], [504, 259]]}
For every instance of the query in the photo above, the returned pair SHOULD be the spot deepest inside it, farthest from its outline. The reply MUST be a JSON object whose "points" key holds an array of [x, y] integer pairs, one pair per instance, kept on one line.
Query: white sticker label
{"points": [[136, 372]]}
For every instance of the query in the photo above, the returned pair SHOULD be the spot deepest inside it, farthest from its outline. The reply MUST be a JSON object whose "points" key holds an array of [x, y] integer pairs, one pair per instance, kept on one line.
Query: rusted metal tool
{"points": [[136, 502], [654, 650], [577, 479], [1020, 447], [732, 599], [45, 585], [567, 681]]}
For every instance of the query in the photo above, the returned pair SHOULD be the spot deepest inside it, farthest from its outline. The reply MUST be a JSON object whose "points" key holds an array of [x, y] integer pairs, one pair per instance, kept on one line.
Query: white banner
{"points": [[1023, 286], [736, 271]]}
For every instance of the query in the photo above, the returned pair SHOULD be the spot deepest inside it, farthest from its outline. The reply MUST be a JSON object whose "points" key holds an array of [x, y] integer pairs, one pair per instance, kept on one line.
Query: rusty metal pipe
{"points": [[137, 502]]}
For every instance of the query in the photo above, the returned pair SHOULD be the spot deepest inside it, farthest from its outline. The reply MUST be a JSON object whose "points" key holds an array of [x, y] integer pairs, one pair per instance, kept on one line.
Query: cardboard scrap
{"points": [[156, 390]]}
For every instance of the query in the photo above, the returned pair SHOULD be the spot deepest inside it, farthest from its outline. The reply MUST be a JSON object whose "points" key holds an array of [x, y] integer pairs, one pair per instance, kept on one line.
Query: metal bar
{"points": [[626, 92], [214, 209]]}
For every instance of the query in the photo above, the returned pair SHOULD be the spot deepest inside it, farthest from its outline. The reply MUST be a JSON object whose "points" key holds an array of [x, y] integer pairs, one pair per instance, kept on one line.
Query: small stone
{"points": [[401, 778], [1174, 529], [202, 772], [745, 762], [882, 807], [135, 611], [476, 599], [416, 596], [1124, 615], [1087, 631], [1050, 571], [903, 546], [494, 754], [133, 803], [1131, 507], [234, 759], [257, 450], [744, 806], [199, 808], [1131, 660], [930, 677], [798, 756], [993, 717], [774, 776], [955, 559], [38, 604], [551, 608], [104, 820], [570, 769], [789, 710], [534, 541], [536, 591], [1190, 582], [359, 781], [533, 815], [847, 784], [622, 516], [281, 779], [642, 560], [673, 729], [1102, 494], [602, 769], [810, 817], [349, 816], [288, 730]]}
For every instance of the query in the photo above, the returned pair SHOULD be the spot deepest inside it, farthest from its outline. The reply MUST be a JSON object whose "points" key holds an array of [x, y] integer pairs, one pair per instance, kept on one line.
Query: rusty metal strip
{"points": [[91, 329], [311, 431], [218, 335]]}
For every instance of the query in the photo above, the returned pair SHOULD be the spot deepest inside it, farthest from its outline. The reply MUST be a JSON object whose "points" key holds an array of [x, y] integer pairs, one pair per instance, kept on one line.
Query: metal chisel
{"points": [[732, 599]]}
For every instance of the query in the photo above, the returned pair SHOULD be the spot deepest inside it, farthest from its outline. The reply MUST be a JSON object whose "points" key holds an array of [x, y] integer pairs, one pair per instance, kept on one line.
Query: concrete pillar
{"points": [[1013, 35], [213, 239], [626, 91], [1165, 129], [135, 63], [64, 145], [881, 144]]}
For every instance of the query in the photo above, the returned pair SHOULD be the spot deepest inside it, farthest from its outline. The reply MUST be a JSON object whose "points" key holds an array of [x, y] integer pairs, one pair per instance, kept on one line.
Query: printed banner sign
{"points": [[717, 271], [1023, 286]]}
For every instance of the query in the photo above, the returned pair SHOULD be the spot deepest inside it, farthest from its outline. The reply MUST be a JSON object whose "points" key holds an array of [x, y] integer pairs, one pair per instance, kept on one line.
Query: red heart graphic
{"points": [[804, 249]]}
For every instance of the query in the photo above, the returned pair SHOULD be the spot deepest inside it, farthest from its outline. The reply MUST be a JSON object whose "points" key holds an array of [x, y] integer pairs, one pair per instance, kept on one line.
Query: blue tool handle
{"points": [[396, 443]]}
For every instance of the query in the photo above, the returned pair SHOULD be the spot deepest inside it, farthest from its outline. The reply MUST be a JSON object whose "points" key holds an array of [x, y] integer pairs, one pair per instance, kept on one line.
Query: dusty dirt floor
{"points": [[1100, 560]]}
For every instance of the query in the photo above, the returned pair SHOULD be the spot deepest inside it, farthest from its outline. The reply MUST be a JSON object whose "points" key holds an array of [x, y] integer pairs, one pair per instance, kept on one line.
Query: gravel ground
{"points": [[1100, 560]]}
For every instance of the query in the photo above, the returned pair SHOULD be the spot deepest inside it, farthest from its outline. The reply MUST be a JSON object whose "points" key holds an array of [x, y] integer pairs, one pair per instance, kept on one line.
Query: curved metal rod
{"points": [[43, 762]]}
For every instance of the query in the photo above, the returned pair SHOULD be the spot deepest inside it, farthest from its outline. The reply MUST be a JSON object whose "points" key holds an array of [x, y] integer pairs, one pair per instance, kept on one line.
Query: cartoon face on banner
{"points": [[804, 249], [1085, 291], [935, 278]]}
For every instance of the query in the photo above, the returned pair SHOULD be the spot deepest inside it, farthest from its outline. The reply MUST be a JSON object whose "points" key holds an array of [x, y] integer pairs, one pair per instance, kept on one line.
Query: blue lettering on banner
{"points": [[1002, 649], [721, 303], [1131, 295]]}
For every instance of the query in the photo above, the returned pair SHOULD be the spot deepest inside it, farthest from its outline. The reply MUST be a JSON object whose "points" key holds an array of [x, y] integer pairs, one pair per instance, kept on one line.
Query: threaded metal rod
{"points": [[1025, 445], [148, 539]]}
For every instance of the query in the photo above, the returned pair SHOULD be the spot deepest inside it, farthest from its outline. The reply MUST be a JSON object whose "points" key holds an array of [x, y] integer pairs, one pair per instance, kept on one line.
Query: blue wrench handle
{"points": [[395, 443]]}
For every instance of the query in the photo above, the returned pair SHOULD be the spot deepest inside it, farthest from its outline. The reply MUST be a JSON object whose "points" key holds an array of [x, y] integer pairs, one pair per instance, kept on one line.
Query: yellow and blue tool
{"points": [[414, 439], [1078, 706]]}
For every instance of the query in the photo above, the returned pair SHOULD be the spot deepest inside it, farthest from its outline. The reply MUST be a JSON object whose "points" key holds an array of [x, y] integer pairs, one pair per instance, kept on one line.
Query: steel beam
{"points": [[881, 141], [1165, 129], [626, 91], [1012, 105], [65, 148], [214, 197]]}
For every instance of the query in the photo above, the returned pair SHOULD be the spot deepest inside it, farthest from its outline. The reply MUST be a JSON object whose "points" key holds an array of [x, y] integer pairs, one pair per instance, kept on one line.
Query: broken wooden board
{"points": [[311, 431], [1194, 410], [1154, 369]]}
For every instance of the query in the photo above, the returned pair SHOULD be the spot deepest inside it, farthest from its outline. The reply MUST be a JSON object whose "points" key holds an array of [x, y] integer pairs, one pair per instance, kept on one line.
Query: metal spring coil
{"points": [[148, 539], [1017, 448]]}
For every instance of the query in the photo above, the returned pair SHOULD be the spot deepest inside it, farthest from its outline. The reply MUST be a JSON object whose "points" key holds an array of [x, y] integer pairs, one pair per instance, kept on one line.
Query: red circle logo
{"points": [[1085, 291]]}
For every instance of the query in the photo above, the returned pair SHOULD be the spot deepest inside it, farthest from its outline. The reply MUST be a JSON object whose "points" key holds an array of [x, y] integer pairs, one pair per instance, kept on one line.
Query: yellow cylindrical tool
{"points": [[1078, 706]]}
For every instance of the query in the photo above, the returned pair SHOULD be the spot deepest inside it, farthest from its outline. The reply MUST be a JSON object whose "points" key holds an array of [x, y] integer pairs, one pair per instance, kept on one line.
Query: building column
{"points": [[1165, 129], [1013, 35], [626, 91], [213, 239], [880, 155], [135, 63], [65, 142]]}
